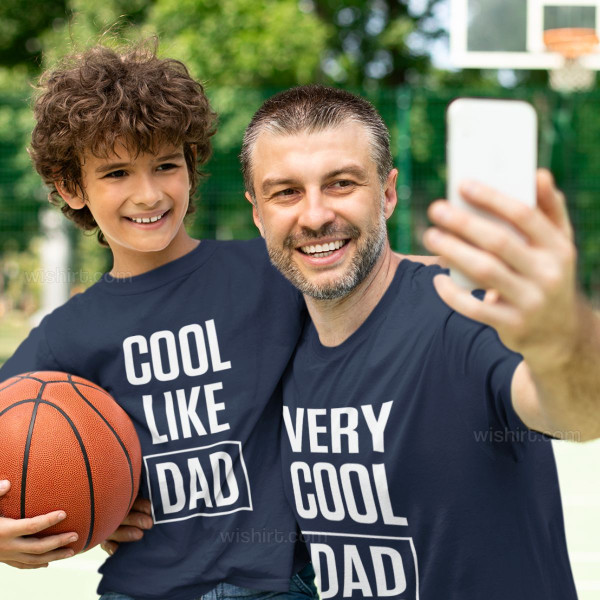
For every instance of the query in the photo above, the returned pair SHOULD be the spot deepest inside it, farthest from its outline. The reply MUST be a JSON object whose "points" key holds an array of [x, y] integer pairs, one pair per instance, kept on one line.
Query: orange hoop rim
{"points": [[571, 42]]}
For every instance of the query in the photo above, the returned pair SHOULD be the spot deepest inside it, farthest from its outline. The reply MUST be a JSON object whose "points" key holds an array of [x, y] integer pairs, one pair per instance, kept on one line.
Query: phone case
{"points": [[493, 142]]}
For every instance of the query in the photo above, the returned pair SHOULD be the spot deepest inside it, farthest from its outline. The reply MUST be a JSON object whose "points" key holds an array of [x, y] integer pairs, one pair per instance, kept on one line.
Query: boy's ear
{"points": [[74, 200], [255, 214]]}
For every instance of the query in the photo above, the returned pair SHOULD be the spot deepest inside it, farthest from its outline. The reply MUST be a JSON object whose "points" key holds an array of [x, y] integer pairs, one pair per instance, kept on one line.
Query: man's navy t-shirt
{"points": [[194, 352], [409, 471]]}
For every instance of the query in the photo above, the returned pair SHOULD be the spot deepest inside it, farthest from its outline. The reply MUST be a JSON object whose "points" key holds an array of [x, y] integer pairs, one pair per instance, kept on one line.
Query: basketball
{"points": [[67, 445]]}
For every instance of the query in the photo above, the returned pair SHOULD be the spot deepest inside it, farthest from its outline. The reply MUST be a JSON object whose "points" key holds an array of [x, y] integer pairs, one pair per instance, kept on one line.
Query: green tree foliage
{"points": [[377, 41], [242, 49], [21, 24], [238, 47], [20, 190]]}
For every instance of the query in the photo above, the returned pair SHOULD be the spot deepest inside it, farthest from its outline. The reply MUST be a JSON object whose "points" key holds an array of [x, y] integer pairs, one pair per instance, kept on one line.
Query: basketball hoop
{"points": [[572, 43]]}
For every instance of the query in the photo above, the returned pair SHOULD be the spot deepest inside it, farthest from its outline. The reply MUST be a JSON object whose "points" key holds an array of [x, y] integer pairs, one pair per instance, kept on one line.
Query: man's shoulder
{"points": [[412, 302], [416, 279]]}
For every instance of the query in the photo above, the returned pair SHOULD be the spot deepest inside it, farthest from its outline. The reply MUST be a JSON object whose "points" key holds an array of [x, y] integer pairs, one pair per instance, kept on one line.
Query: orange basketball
{"points": [[65, 444]]}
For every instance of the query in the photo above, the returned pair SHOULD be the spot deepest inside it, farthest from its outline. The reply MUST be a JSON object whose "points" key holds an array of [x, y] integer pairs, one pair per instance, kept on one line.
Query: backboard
{"points": [[509, 34]]}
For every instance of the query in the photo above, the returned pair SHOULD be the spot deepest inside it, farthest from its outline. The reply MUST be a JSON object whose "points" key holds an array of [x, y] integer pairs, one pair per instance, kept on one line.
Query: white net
{"points": [[572, 77]]}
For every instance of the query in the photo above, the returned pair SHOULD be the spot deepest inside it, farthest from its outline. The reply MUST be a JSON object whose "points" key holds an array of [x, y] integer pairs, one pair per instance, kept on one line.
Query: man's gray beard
{"points": [[366, 257]]}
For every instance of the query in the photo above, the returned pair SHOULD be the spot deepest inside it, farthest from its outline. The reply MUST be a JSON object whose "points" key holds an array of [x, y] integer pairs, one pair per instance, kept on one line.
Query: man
{"points": [[411, 448]]}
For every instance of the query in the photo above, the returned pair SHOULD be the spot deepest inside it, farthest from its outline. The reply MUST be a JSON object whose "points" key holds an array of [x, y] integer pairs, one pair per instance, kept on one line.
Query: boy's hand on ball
{"points": [[21, 549], [133, 526]]}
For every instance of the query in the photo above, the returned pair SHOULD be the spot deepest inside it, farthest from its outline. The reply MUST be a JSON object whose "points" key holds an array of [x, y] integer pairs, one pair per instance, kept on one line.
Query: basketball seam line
{"points": [[118, 438], [17, 403], [27, 449], [84, 455], [18, 380], [26, 458]]}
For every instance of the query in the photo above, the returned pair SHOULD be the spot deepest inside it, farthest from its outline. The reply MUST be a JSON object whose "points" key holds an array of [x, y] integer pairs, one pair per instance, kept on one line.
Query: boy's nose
{"points": [[146, 192]]}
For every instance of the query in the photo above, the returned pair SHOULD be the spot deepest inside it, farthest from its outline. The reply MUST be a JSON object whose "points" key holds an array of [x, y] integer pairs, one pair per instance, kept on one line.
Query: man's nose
{"points": [[315, 210]]}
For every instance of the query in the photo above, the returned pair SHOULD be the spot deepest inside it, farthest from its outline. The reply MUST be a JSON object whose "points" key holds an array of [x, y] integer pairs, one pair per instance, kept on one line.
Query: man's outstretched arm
{"points": [[532, 301]]}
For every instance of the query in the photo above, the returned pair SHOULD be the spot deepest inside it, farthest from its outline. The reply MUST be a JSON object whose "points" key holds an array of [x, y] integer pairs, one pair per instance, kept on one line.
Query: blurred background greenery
{"points": [[244, 50]]}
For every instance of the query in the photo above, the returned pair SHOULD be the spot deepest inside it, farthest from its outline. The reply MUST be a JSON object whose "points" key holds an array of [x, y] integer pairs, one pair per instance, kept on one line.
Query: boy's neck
{"points": [[129, 263]]}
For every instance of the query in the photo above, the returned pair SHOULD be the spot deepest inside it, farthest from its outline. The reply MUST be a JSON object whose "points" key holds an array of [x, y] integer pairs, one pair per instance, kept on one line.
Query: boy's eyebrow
{"points": [[119, 165], [171, 156]]}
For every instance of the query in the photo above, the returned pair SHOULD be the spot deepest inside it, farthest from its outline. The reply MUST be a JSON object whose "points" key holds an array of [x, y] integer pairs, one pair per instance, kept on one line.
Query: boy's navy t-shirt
{"points": [[409, 471], [194, 352]]}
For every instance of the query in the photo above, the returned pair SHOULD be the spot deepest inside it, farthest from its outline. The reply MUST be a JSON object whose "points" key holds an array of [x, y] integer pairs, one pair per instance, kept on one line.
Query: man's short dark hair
{"points": [[93, 99], [314, 108]]}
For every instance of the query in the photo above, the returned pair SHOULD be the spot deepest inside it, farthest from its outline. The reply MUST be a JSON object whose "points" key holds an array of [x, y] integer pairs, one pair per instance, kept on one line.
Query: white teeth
{"points": [[148, 220], [323, 248]]}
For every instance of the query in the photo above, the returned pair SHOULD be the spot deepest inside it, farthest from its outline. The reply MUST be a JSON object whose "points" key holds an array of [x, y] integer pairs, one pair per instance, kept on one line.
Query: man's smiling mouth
{"points": [[323, 250]]}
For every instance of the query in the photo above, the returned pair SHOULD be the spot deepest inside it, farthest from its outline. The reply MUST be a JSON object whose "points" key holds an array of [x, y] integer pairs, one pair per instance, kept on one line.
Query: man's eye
{"points": [[343, 183], [286, 192]]}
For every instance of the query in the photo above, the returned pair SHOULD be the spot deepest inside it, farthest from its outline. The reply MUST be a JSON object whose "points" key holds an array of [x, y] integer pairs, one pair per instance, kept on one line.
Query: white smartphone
{"points": [[493, 142]]}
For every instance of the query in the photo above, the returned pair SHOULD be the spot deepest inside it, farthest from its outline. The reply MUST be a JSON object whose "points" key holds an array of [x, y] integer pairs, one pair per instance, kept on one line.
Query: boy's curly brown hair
{"points": [[93, 99]]}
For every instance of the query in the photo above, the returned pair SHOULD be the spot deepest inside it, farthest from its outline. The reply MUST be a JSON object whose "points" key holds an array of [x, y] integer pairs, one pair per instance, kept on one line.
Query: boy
{"points": [[190, 337]]}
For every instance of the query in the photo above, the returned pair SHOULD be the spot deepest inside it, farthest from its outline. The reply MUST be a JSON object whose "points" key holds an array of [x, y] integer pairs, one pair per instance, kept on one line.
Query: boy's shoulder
{"points": [[244, 261], [253, 248], [77, 306], [248, 260], [251, 255]]}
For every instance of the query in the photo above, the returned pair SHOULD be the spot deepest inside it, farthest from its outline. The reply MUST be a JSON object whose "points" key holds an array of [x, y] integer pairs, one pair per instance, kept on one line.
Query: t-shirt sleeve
{"points": [[483, 367], [33, 354]]}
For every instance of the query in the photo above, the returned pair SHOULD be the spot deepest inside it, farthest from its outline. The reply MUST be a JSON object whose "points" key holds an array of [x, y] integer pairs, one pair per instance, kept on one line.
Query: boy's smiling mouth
{"points": [[144, 220]]}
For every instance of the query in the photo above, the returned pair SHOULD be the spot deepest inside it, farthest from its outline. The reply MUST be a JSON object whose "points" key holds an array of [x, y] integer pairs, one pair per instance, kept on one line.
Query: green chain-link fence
{"points": [[569, 134]]}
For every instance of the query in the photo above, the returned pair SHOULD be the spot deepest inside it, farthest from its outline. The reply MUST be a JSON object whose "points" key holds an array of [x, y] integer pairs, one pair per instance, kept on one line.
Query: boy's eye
{"points": [[115, 174], [167, 167]]}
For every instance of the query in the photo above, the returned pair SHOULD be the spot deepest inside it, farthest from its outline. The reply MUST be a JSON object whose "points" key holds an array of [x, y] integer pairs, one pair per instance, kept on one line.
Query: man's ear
{"points": [[255, 214], [391, 197], [74, 200]]}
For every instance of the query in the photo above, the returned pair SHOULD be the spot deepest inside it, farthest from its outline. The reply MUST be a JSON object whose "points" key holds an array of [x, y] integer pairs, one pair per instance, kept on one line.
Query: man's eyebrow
{"points": [[115, 166], [273, 181], [358, 172]]}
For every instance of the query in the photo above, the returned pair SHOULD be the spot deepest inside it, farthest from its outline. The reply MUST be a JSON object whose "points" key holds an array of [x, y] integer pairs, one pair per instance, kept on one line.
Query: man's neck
{"points": [[336, 320]]}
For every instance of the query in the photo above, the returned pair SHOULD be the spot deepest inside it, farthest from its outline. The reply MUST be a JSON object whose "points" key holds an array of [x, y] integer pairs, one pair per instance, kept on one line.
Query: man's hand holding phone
{"points": [[528, 270], [521, 251]]}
